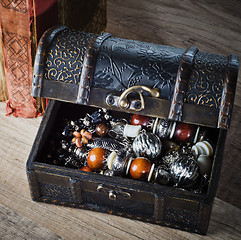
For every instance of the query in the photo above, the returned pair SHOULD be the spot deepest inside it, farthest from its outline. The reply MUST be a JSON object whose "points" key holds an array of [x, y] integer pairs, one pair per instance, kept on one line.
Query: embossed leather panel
{"points": [[124, 63], [206, 81], [66, 56]]}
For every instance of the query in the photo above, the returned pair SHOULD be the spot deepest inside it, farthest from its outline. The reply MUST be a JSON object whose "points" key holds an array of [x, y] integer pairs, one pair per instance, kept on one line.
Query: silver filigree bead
{"points": [[162, 127], [185, 171], [86, 122], [147, 145], [116, 161], [168, 159], [108, 172]]}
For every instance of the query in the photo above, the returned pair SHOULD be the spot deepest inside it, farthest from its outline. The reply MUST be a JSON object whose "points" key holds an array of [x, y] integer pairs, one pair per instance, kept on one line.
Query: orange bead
{"points": [[96, 158], [82, 131], [78, 142], [140, 168], [74, 139], [87, 135], [76, 134], [86, 169], [84, 140]]}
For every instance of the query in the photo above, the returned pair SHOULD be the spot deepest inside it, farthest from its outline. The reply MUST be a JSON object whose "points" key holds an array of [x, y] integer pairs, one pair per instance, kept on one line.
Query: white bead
{"points": [[173, 127], [195, 150], [132, 131], [155, 125], [196, 135], [206, 147], [151, 172], [129, 165], [110, 159], [203, 148]]}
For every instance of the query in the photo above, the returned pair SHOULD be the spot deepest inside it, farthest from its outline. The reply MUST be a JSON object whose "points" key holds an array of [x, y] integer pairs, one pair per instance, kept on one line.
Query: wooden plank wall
{"points": [[89, 16], [212, 26]]}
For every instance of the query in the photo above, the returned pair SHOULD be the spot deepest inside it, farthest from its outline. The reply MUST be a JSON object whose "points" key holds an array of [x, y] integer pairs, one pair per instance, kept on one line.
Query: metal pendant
{"points": [[107, 143]]}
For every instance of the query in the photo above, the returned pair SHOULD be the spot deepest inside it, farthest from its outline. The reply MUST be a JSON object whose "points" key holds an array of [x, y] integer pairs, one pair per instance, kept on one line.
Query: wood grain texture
{"points": [[3, 87], [212, 26], [15, 226], [21, 218], [89, 16]]}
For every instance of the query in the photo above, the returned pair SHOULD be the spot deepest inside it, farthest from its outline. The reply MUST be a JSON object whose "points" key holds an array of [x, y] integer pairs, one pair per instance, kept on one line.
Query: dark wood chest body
{"points": [[87, 71]]}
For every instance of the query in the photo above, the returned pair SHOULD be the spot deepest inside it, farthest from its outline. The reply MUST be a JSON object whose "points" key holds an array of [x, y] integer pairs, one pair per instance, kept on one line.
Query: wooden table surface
{"points": [[21, 218], [213, 26]]}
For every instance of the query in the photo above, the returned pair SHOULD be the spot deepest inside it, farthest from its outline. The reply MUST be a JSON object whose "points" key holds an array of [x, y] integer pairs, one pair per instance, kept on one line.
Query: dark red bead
{"points": [[86, 169], [101, 129], [95, 158], [140, 168], [139, 120], [184, 132]]}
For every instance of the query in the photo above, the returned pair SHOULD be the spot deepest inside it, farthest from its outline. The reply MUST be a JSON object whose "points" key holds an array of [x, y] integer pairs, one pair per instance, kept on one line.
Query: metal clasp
{"points": [[113, 192], [123, 102]]}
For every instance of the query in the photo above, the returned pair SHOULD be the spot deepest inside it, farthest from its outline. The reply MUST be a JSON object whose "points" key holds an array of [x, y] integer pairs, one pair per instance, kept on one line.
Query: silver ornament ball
{"points": [[147, 145]]}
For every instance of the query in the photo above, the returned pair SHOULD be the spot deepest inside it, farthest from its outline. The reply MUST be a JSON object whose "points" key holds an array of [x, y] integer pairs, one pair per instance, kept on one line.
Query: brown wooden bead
{"points": [[84, 140], [78, 142], [140, 168], [87, 135], [95, 158], [101, 129], [86, 169], [76, 134]]}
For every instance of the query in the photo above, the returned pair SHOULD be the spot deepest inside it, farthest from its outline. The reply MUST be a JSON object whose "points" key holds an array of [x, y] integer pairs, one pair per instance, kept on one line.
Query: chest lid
{"points": [[135, 77]]}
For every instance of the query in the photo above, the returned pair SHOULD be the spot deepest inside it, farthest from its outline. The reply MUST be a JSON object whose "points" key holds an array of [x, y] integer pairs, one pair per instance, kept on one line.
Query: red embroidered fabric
{"points": [[16, 18], [16, 22]]}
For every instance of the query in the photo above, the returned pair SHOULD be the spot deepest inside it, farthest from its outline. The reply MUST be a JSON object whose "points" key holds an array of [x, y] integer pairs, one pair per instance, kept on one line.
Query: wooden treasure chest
{"points": [[132, 128]]}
